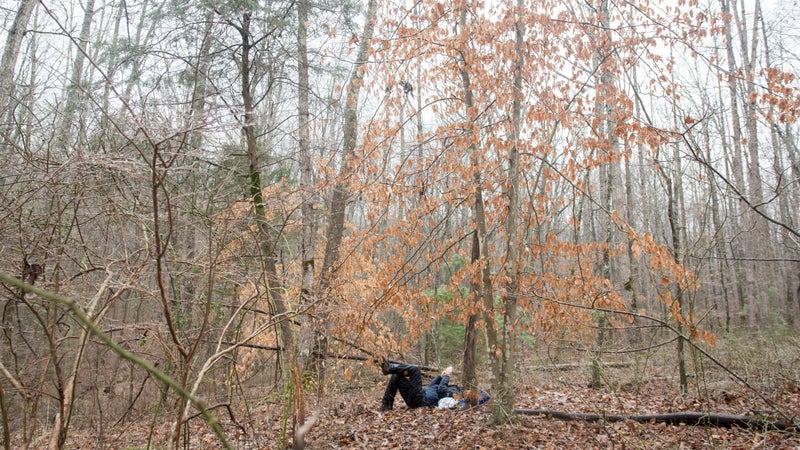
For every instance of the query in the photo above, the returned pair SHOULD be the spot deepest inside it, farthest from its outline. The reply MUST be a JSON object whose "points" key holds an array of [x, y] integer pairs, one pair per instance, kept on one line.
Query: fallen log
{"points": [[688, 418]]}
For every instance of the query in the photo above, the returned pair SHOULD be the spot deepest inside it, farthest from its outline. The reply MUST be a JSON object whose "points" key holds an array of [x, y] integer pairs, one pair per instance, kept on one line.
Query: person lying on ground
{"points": [[407, 379]]}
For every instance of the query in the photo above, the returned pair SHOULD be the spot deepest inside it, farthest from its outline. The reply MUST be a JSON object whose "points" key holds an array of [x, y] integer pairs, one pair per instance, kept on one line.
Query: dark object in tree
{"points": [[688, 418], [407, 88], [30, 272]]}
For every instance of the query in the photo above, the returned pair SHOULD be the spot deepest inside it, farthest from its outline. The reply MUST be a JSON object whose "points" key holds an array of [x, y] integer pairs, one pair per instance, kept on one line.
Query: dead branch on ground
{"points": [[688, 418]]}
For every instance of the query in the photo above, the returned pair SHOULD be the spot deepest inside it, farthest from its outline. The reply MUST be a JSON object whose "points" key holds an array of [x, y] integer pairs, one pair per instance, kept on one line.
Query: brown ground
{"points": [[365, 427], [350, 417]]}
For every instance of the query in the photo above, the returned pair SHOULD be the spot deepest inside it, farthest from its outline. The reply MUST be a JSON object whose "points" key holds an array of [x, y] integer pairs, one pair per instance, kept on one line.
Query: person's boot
{"points": [[394, 368], [385, 406], [384, 363]]}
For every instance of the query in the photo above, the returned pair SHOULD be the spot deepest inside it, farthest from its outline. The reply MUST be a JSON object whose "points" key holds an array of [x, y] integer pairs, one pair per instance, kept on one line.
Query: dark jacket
{"points": [[437, 390]]}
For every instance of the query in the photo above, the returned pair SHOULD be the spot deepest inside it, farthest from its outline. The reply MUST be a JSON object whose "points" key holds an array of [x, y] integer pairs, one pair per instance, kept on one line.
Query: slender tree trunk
{"points": [[479, 234], [792, 216], [61, 426], [677, 251], [469, 364], [195, 120], [142, 36], [339, 198], [737, 247], [675, 222], [306, 162], [308, 220], [761, 278], [631, 285], [482, 286], [604, 107], [728, 265], [197, 112], [788, 276], [719, 237], [110, 71], [274, 288], [676, 214], [4, 419], [504, 361], [75, 87], [26, 118], [8, 64]]}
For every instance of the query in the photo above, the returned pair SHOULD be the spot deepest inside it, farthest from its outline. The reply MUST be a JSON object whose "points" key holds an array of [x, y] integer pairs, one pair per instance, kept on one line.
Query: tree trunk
{"points": [[469, 364], [505, 360], [604, 106], [478, 236], [4, 419], [788, 276], [729, 265], [482, 283], [8, 64], [719, 238], [74, 89], [306, 162], [187, 287], [676, 214], [61, 426], [737, 247], [677, 252], [335, 228], [272, 283], [308, 221], [762, 279], [791, 216], [141, 38]]}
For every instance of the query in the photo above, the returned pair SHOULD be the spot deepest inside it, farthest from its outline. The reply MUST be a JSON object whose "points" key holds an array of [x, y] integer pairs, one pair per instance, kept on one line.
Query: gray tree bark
{"points": [[339, 198], [505, 361], [11, 51]]}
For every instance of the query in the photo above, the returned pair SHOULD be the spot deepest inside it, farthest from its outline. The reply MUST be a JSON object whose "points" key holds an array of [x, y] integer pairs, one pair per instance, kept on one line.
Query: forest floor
{"points": [[350, 417], [357, 423]]}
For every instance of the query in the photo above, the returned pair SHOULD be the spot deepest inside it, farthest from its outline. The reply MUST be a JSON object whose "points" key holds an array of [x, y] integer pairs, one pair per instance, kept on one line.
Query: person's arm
{"points": [[443, 378], [441, 389], [435, 381]]}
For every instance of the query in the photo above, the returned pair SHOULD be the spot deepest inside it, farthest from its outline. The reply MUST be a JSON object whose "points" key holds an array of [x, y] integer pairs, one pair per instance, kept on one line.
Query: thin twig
{"points": [[219, 405]]}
